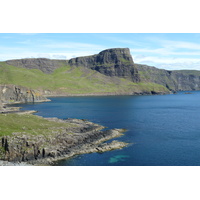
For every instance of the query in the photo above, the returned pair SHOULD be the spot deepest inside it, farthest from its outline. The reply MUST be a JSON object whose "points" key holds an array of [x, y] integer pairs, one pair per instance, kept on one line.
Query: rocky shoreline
{"points": [[80, 137], [104, 94], [85, 137]]}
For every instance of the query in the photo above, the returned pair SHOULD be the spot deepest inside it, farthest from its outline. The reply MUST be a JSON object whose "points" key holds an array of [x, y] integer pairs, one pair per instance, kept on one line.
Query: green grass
{"points": [[28, 124], [152, 87], [125, 61], [66, 79]]}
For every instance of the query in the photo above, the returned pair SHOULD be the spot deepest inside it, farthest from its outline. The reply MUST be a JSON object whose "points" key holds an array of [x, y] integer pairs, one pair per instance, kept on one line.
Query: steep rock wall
{"points": [[178, 80], [118, 62], [45, 65], [13, 93], [111, 62]]}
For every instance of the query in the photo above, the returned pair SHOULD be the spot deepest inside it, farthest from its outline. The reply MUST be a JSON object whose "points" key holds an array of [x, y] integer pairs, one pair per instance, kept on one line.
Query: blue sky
{"points": [[163, 50]]}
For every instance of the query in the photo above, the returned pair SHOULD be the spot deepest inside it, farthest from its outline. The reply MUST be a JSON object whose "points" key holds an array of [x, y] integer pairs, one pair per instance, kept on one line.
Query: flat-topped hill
{"points": [[111, 62], [110, 72]]}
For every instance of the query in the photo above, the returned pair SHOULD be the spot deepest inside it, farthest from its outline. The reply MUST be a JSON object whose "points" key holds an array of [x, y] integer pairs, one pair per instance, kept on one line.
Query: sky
{"points": [[172, 51]]}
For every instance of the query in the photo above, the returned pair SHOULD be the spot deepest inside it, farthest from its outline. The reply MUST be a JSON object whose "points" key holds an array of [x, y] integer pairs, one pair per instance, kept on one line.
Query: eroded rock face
{"points": [[118, 62], [86, 137], [111, 62], [173, 80], [45, 65], [185, 81], [13, 93]]}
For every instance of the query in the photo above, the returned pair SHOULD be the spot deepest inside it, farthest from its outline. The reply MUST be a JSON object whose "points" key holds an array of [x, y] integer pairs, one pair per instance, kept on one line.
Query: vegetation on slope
{"points": [[29, 124], [72, 80]]}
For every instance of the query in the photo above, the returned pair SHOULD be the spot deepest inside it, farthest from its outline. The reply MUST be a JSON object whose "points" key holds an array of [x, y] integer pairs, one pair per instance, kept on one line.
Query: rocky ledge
{"points": [[80, 137]]}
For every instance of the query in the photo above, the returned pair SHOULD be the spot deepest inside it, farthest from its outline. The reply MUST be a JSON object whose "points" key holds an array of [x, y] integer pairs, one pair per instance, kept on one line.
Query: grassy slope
{"points": [[28, 124], [71, 80]]}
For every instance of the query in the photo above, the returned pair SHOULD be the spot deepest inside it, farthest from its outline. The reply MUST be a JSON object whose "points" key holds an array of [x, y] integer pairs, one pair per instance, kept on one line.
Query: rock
{"points": [[111, 62], [116, 62], [34, 149], [13, 94], [178, 80], [43, 64]]}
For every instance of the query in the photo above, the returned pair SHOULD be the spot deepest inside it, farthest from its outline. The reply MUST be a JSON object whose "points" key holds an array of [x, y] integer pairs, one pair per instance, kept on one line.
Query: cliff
{"points": [[111, 62], [178, 80], [13, 94], [111, 71], [45, 65], [36, 140]]}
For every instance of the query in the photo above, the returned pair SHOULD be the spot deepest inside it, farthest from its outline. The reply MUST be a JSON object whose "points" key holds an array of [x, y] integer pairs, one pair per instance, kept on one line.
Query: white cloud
{"points": [[58, 56], [161, 53], [169, 63], [169, 54], [156, 59], [179, 44], [164, 52], [50, 55], [52, 50]]}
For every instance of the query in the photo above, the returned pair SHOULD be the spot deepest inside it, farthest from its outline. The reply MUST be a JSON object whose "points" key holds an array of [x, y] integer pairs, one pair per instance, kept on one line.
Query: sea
{"points": [[162, 130]]}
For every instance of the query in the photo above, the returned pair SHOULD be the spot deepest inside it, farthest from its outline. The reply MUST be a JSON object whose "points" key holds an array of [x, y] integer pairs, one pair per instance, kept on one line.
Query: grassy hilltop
{"points": [[72, 80], [112, 71]]}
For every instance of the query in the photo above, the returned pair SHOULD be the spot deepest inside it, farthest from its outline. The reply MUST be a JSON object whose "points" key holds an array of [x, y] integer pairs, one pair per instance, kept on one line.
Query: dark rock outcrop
{"points": [[43, 64], [13, 94], [85, 137], [111, 62], [118, 62], [179, 80], [186, 81]]}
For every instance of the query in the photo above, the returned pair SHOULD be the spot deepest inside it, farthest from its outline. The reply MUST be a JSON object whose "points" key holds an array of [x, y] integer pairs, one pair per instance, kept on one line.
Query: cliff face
{"points": [[45, 65], [64, 139], [111, 62], [155, 75], [13, 93], [185, 81], [173, 80], [115, 63]]}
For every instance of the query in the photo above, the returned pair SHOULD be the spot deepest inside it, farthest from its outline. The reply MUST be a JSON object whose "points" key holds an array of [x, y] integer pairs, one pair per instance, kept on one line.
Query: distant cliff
{"points": [[111, 71], [13, 94], [45, 65], [179, 80]]}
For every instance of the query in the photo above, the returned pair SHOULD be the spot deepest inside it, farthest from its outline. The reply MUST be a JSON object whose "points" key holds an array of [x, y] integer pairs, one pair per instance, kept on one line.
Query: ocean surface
{"points": [[163, 130]]}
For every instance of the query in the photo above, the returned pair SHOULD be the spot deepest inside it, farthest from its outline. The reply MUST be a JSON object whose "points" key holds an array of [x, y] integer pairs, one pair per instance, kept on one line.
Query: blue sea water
{"points": [[163, 130]]}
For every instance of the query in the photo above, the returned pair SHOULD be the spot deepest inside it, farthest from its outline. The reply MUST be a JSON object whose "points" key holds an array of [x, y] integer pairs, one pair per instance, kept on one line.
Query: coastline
{"points": [[105, 94], [96, 145], [84, 139], [94, 141], [95, 138], [81, 138], [7, 107]]}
